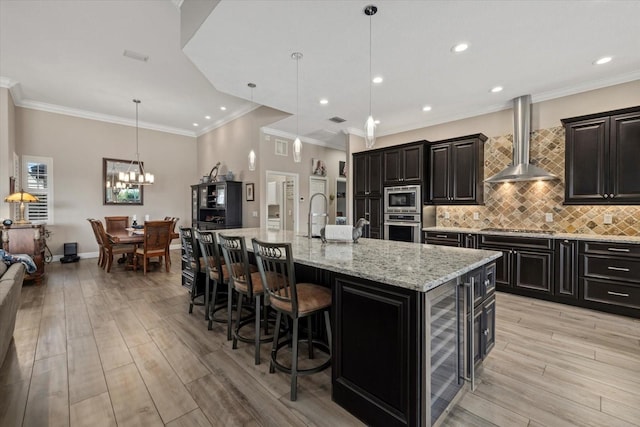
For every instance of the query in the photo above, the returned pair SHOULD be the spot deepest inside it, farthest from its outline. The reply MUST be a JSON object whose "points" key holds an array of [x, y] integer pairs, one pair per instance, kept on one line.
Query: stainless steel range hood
{"points": [[520, 169]]}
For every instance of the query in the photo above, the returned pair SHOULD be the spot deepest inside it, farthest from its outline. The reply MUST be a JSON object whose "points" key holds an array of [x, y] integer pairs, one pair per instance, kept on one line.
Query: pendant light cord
{"points": [[370, 73], [298, 95]]}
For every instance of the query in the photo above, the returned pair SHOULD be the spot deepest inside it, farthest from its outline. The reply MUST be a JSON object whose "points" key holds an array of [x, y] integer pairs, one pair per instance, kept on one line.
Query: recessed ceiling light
{"points": [[496, 89], [324, 101], [376, 122], [196, 125], [377, 79], [207, 117], [426, 108], [460, 47], [223, 108], [602, 60]]}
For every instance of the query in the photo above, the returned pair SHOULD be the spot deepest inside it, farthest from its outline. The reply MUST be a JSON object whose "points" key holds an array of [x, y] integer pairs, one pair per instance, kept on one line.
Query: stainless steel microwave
{"points": [[406, 199]]}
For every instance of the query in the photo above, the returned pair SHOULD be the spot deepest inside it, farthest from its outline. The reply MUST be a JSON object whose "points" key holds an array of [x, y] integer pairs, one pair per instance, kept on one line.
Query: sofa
{"points": [[11, 278]]}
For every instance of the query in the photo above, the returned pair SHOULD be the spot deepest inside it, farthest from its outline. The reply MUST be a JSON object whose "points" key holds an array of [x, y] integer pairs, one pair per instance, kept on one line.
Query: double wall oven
{"points": [[403, 213]]}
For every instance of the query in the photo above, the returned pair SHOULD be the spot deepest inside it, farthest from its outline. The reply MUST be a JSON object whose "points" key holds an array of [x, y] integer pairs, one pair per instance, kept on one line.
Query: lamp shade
{"points": [[21, 196]]}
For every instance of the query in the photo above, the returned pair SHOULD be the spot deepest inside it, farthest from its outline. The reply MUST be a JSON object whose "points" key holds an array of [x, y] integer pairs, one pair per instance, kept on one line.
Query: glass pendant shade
{"points": [[252, 160], [370, 132], [297, 150]]}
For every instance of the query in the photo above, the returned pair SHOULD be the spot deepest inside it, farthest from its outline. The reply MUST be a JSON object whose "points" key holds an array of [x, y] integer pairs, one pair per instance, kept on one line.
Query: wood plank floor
{"points": [[93, 349]]}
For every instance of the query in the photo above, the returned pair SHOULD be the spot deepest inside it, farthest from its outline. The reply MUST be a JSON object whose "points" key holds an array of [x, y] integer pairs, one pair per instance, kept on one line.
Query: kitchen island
{"points": [[398, 340]]}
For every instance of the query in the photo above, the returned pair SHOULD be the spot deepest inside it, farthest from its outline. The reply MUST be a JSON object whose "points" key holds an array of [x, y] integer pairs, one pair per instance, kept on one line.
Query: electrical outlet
{"points": [[608, 219], [476, 216], [255, 213], [548, 217], [446, 215]]}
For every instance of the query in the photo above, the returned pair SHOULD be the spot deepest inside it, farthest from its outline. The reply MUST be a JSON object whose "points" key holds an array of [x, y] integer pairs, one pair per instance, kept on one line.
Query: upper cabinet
{"points": [[367, 174], [456, 171], [601, 158], [404, 165]]}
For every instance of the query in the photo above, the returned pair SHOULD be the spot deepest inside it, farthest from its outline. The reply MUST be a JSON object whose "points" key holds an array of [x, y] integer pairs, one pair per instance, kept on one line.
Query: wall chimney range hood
{"points": [[520, 169]]}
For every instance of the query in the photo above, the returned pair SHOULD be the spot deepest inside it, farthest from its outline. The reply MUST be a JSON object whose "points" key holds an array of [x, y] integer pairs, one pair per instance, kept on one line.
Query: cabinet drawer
{"points": [[612, 268], [612, 293], [442, 238], [516, 242], [615, 249]]}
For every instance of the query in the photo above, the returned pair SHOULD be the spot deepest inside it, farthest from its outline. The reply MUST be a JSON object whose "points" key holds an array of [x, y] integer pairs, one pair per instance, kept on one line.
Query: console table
{"points": [[26, 239]]}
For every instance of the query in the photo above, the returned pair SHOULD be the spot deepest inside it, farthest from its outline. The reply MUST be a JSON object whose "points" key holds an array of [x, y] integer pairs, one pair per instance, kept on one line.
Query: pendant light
{"points": [[252, 154], [370, 125], [297, 144], [133, 176]]}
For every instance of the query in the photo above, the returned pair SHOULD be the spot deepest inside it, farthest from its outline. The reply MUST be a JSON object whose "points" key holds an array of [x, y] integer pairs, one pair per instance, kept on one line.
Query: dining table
{"points": [[131, 236]]}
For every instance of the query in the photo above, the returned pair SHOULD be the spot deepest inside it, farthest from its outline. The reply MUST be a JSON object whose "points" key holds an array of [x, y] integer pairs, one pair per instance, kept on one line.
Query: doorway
{"points": [[341, 201], [280, 203]]}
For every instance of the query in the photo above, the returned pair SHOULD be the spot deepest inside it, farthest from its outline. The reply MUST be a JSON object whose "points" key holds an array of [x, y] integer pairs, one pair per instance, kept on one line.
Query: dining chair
{"points": [[174, 221], [101, 256], [295, 301], [110, 248], [157, 236], [246, 282], [115, 224]]}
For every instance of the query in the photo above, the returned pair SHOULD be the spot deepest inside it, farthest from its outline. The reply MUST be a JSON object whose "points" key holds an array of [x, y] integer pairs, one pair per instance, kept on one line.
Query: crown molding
{"points": [[7, 83], [236, 115], [58, 109], [586, 87], [292, 137]]}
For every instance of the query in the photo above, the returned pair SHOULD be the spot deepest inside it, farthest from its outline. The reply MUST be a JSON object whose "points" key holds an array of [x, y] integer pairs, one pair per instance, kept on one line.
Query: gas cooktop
{"points": [[519, 230]]}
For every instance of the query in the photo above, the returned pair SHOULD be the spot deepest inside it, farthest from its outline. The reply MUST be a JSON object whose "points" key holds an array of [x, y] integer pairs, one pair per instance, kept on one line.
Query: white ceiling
{"points": [[67, 56]]}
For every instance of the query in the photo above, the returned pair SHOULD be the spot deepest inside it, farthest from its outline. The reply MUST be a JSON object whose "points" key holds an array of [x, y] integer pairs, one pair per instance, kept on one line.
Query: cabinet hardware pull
{"points": [[606, 196], [565, 241], [618, 269], [611, 195], [618, 250], [618, 294], [487, 282], [441, 236], [485, 332]]}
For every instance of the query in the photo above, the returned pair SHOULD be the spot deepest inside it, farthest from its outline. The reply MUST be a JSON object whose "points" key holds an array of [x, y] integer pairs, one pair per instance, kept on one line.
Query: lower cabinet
{"points": [[566, 269], [369, 208], [484, 329]]}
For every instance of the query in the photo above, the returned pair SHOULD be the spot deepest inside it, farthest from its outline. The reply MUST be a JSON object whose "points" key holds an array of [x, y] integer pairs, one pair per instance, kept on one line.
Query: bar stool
{"points": [[245, 280], [216, 273], [295, 300], [194, 269]]}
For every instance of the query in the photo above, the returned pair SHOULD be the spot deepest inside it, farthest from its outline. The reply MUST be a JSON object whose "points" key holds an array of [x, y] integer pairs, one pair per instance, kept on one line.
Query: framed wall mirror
{"points": [[115, 190]]}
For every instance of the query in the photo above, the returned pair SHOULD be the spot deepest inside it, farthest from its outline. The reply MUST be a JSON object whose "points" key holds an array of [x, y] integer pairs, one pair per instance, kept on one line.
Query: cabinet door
{"points": [[360, 174], [585, 160], [375, 218], [374, 174], [503, 267], [470, 241], [439, 167], [392, 167], [475, 349], [464, 169], [624, 153], [194, 205], [566, 266], [533, 270], [413, 164], [488, 323]]}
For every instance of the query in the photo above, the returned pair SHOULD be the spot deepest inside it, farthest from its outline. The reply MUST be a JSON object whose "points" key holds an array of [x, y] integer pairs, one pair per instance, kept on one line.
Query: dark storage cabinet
{"points": [[457, 170], [367, 183], [369, 208], [566, 269], [404, 165], [216, 205], [483, 327], [601, 158]]}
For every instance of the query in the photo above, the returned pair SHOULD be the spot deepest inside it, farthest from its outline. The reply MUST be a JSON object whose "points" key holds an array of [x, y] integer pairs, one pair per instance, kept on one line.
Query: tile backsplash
{"points": [[524, 204]]}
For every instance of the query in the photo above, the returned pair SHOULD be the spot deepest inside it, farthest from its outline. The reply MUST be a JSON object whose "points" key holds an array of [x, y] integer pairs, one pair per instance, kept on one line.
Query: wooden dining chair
{"points": [[157, 236], [294, 300], [110, 248], [116, 224], [101, 255]]}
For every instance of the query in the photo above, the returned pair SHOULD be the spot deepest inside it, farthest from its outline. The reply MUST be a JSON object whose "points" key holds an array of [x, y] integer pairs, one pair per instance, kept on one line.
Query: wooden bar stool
{"points": [[245, 280], [295, 300]]}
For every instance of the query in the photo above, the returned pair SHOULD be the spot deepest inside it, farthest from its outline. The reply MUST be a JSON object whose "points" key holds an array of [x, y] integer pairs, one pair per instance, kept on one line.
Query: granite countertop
{"points": [[407, 265], [567, 236]]}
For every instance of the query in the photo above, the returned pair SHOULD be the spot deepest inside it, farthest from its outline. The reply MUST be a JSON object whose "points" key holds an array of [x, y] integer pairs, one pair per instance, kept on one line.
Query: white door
{"points": [[319, 205]]}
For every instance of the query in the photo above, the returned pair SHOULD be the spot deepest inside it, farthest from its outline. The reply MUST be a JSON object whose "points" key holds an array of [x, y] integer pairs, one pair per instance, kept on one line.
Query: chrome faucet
{"points": [[313, 214]]}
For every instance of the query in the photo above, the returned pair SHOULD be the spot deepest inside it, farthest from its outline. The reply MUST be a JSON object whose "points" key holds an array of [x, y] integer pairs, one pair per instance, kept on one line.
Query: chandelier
{"points": [[135, 174]]}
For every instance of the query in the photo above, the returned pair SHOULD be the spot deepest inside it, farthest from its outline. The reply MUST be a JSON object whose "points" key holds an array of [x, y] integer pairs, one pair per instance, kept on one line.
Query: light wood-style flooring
{"points": [[94, 349]]}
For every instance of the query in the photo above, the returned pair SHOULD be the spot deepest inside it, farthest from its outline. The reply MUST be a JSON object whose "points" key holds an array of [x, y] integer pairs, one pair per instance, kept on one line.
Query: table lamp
{"points": [[22, 198]]}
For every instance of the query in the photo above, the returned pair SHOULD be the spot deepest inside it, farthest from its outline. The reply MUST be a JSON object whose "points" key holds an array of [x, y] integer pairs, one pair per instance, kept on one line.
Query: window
{"points": [[37, 179]]}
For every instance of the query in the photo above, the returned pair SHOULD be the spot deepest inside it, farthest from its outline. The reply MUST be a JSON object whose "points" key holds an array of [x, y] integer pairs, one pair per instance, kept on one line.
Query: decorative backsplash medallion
{"points": [[524, 204]]}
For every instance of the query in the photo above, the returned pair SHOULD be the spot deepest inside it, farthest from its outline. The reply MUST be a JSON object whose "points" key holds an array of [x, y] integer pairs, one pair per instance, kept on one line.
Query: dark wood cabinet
{"points": [[526, 265], [609, 277], [27, 239], [483, 328], [601, 152], [404, 165], [444, 238], [457, 170], [369, 208], [566, 269], [367, 202], [216, 205]]}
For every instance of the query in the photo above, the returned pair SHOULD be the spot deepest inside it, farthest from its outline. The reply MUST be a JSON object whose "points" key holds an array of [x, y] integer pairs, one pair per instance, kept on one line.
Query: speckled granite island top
{"points": [[567, 236], [408, 265]]}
